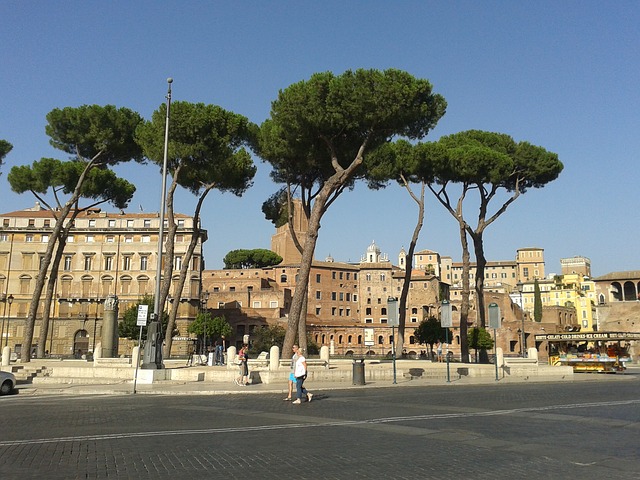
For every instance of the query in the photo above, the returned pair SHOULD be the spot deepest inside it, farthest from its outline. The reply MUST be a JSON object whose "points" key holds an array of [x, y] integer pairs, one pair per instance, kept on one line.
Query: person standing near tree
{"points": [[243, 357], [300, 373], [292, 376]]}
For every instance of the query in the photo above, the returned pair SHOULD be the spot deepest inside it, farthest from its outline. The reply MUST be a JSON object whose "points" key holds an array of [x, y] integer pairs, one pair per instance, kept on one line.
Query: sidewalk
{"points": [[216, 381]]}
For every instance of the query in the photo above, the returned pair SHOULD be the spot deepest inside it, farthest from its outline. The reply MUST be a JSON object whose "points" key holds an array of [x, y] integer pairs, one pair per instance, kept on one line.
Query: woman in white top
{"points": [[300, 373]]}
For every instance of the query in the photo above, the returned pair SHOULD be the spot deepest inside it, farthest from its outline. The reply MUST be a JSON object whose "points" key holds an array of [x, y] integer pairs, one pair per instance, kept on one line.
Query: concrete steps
{"points": [[27, 373]]}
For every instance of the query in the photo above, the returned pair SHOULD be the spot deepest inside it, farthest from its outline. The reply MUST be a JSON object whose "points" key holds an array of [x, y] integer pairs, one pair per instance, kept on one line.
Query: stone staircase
{"points": [[27, 373]]}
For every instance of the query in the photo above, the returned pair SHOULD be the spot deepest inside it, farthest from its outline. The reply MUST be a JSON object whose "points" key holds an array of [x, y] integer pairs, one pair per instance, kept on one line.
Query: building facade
{"points": [[106, 254]]}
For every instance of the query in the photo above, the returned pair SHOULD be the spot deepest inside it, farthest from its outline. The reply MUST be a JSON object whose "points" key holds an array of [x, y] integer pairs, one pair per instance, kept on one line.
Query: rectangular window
{"points": [[92, 223], [108, 262], [178, 263], [129, 223], [144, 262], [90, 239], [29, 238], [146, 239], [45, 238], [70, 239], [273, 304], [180, 223], [128, 239], [87, 262], [67, 263], [318, 278], [110, 239], [333, 295], [318, 295], [112, 223], [126, 263], [147, 223]]}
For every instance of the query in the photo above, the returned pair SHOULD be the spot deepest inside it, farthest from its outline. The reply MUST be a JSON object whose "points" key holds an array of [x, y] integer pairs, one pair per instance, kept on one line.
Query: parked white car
{"points": [[7, 382]]}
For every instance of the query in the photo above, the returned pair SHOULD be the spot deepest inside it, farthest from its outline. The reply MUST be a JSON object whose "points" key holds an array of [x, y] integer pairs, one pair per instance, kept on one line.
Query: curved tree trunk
{"points": [[466, 292], [51, 285], [404, 294], [195, 236], [481, 263], [169, 248], [61, 217]]}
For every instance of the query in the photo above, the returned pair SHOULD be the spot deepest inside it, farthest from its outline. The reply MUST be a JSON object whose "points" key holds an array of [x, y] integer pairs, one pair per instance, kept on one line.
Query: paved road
{"points": [[578, 430]]}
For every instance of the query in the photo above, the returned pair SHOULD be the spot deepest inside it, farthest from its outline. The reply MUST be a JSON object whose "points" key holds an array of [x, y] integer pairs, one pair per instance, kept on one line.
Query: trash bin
{"points": [[358, 371]]}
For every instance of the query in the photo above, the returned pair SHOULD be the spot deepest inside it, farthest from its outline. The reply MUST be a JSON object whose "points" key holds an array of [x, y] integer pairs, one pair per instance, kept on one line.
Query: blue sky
{"points": [[562, 75]]}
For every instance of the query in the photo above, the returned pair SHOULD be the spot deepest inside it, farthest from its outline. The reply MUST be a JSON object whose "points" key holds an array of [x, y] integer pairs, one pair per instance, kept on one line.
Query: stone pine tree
{"points": [[320, 131], [397, 162], [5, 148], [96, 137], [498, 169], [208, 150]]}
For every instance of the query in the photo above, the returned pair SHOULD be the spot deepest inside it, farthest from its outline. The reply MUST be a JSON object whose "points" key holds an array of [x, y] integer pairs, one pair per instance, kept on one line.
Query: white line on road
{"points": [[339, 423]]}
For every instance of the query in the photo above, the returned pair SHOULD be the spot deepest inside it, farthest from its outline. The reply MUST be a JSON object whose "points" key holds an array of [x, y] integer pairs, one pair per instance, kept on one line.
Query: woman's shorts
{"points": [[292, 378]]}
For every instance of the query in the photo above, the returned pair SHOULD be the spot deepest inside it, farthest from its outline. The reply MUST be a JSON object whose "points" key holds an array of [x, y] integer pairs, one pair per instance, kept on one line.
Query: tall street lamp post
{"points": [[523, 339], [152, 357]]}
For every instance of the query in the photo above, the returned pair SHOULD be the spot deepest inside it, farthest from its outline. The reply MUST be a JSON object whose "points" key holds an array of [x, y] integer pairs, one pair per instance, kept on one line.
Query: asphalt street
{"points": [[544, 430]]}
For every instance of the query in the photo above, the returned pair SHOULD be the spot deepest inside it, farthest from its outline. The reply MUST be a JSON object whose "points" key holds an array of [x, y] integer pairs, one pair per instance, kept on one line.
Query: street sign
{"points": [[494, 315], [392, 314], [368, 337], [143, 313], [446, 320]]}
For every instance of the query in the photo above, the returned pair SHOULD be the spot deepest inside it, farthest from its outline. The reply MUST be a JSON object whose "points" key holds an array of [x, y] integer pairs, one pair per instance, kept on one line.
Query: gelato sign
{"points": [[588, 337]]}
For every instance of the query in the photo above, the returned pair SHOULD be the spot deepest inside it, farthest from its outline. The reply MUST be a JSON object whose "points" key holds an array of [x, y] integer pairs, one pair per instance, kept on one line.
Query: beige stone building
{"points": [[105, 254]]}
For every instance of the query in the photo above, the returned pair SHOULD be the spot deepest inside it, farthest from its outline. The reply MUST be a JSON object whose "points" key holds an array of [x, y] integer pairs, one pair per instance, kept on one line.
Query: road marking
{"points": [[337, 423]]}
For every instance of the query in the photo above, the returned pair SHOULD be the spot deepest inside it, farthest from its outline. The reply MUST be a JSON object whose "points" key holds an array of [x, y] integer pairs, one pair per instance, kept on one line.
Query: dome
{"points": [[373, 248]]}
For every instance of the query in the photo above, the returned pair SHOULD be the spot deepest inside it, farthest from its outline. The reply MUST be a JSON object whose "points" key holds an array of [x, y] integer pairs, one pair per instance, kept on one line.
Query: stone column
{"points": [[110, 328]]}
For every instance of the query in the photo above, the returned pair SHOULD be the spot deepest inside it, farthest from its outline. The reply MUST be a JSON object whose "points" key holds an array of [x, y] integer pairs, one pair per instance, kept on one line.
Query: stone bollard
{"points": [[135, 356], [231, 357], [324, 353], [6, 356], [499, 357], [274, 358], [532, 352]]}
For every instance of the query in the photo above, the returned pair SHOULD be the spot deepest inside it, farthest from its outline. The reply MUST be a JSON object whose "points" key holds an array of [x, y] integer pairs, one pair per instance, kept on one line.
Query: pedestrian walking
{"points": [[300, 373], [292, 377], [439, 351], [243, 359]]}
